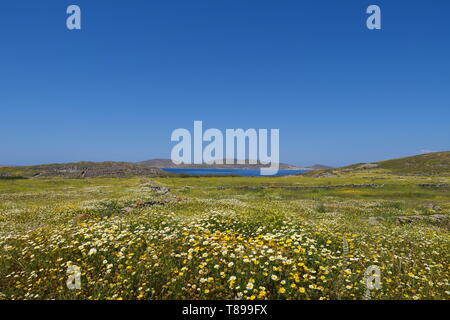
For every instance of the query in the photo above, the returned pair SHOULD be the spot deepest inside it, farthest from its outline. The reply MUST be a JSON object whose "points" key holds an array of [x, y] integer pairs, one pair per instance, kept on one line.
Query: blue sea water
{"points": [[239, 172]]}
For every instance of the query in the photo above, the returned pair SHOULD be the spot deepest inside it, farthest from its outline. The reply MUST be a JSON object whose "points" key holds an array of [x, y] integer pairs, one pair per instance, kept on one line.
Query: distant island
{"points": [[167, 163]]}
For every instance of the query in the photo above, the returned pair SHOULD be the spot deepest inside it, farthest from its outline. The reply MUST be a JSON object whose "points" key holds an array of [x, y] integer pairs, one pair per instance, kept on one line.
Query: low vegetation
{"points": [[225, 238], [430, 164]]}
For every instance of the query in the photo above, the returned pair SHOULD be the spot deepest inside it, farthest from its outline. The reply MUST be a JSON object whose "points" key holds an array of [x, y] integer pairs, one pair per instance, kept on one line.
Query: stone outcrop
{"points": [[435, 219], [290, 187], [434, 185]]}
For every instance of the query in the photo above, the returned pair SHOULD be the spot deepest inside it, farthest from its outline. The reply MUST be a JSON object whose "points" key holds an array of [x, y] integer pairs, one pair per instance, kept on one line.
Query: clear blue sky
{"points": [[137, 70]]}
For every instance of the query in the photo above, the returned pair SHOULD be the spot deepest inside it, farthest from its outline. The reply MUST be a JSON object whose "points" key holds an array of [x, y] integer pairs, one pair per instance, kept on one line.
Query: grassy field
{"points": [[225, 238]]}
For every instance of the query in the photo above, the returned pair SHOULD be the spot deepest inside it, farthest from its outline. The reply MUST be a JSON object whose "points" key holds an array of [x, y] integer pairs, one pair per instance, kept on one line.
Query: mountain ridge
{"points": [[167, 163]]}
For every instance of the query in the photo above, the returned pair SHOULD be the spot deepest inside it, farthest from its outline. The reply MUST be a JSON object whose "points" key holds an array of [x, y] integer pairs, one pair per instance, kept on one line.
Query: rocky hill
{"points": [[82, 170]]}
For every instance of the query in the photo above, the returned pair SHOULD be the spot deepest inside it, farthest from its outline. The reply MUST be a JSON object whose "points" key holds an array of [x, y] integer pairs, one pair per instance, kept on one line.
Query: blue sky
{"points": [[115, 90]]}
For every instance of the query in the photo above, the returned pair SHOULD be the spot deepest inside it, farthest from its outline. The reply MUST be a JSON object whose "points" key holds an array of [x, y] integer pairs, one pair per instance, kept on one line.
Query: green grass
{"points": [[436, 163], [223, 238], [430, 164]]}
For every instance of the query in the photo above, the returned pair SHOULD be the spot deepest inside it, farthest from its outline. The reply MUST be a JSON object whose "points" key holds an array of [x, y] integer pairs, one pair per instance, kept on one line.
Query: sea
{"points": [[229, 172]]}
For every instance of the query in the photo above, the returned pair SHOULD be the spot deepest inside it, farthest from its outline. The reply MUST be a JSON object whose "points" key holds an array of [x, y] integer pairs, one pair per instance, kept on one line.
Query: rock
{"points": [[144, 205], [291, 187], [367, 166], [375, 220], [325, 175], [433, 207], [436, 218], [155, 187], [434, 185]]}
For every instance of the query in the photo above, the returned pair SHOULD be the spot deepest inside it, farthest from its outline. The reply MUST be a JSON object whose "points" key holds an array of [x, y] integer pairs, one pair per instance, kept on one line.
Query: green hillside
{"points": [[430, 164], [437, 163]]}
